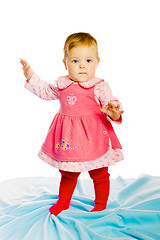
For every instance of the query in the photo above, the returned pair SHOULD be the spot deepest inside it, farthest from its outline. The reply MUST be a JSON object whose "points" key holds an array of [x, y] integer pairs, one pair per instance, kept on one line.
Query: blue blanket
{"points": [[133, 210]]}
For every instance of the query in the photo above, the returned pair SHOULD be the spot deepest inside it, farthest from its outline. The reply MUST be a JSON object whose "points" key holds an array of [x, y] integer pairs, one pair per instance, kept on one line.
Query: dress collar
{"points": [[65, 81]]}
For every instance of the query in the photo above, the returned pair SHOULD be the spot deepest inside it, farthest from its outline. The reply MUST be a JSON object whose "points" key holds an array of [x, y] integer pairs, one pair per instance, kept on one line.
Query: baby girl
{"points": [[81, 137]]}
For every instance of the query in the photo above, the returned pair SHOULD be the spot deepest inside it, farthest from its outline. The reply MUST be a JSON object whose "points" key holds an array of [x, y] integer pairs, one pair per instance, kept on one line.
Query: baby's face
{"points": [[82, 63]]}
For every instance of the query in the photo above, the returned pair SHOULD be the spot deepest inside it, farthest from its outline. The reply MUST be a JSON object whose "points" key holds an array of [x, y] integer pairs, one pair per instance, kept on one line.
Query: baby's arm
{"points": [[37, 86], [41, 88], [109, 104]]}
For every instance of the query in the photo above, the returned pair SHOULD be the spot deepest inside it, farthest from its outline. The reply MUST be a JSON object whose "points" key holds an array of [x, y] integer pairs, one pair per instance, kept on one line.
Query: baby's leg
{"points": [[66, 189], [101, 185]]}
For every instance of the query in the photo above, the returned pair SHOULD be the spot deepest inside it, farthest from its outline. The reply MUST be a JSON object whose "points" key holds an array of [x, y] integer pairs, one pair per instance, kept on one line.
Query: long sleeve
{"points": [[41, 88], [103, 96]]}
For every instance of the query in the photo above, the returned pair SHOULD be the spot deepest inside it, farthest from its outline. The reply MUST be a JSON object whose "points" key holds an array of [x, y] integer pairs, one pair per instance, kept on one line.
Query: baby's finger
{"points": [[118, 106], [112, 105], [24, 63], [102, 110]]}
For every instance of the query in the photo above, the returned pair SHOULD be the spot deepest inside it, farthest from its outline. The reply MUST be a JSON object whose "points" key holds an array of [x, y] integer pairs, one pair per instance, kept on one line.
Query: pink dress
{"points": [[80, 137]]}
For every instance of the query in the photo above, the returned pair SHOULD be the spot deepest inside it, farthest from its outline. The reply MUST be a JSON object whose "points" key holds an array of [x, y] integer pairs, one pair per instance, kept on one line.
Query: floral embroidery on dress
{"points": [[78, 147], [58, 145], [71, 100], [65, 145]]}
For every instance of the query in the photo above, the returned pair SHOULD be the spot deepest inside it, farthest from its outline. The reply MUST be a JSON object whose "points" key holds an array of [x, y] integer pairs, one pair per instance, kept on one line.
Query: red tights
{"points": [[68, 183]]}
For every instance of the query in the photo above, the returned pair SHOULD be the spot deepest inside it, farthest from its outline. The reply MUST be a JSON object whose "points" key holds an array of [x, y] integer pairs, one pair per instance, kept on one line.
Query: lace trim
{"points": [[109, 159]]}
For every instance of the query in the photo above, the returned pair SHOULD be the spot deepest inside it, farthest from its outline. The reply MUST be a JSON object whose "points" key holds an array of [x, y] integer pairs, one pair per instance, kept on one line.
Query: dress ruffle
{"points": [[110, 158]]}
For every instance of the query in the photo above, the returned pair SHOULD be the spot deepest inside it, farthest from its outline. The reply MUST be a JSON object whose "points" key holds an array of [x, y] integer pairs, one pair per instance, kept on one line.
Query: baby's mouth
{"points": [[82, 73]]}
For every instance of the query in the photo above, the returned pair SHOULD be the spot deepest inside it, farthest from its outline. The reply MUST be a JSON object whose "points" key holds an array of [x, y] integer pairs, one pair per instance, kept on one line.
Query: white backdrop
{"points": [[128, 35]]}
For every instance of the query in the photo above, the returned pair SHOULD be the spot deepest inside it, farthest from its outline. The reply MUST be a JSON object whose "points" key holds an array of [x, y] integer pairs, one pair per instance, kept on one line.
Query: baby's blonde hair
{"points": [[76, 39]]}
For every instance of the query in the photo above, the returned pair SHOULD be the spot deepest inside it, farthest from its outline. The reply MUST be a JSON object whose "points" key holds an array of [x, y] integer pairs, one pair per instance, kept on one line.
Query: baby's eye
{"points": [[75, 61], [88, 60]]}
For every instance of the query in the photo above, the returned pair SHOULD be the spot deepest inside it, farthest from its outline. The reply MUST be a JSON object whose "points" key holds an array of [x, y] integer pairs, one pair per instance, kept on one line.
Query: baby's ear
{"points": [[98, 60], [65, 63]]}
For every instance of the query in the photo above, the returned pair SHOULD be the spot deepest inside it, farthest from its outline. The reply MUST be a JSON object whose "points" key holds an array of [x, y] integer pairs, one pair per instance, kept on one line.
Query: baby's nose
{"points": [[82, 65]]}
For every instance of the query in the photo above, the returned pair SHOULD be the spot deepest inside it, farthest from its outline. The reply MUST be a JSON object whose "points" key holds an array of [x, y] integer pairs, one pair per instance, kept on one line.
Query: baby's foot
{"points": [[58, 207], [98, 208]]}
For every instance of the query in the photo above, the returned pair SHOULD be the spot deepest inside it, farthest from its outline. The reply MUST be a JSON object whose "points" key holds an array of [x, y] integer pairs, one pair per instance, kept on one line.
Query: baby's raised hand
{"points": [[27, 70], [112, 111]]}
